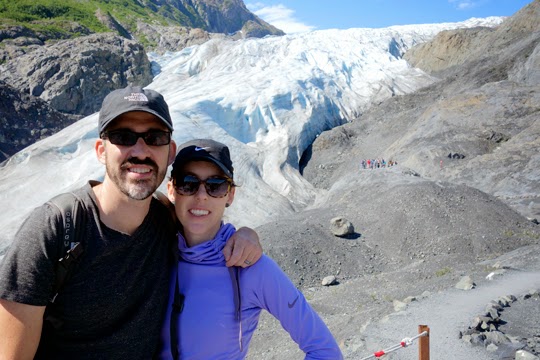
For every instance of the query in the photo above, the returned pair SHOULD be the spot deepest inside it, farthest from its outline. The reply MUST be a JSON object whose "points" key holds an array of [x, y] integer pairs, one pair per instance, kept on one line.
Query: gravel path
{"points": [[446, 314]]}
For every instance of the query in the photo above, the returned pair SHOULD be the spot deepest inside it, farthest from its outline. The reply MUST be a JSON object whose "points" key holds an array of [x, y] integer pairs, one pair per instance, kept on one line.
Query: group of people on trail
{"points": [[376, 163], [155, 279]]}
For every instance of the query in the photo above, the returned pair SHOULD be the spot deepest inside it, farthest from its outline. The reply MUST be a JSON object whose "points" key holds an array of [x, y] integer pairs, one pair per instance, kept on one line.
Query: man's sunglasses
{"points": [[216, 187], [125, 137]]}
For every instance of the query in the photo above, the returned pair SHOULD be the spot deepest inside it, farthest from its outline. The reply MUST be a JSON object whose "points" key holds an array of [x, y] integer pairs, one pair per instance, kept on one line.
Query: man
{"points": [[114, 301]]}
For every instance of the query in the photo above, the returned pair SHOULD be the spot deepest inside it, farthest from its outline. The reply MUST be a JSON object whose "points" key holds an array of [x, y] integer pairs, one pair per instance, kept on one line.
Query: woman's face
{"points": [[200, 213]]}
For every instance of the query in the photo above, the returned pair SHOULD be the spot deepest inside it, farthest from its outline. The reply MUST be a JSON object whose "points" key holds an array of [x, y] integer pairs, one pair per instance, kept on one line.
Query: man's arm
{"points": [[243, 248], [21, 329]]}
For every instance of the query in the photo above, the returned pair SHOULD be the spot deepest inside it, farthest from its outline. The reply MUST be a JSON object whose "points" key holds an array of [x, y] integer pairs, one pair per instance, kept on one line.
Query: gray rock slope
{"points": [[25, 119], [422, 225]]}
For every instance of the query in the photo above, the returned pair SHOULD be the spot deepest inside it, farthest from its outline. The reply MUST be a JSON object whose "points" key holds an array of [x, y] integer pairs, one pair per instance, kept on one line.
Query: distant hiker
{"points": [[369, 163], [363, 164], [213, 322], [112, 304]]}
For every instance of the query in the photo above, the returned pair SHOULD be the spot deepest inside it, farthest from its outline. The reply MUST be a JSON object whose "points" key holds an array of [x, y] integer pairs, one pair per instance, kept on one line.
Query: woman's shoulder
{"points": [[265, 262], [261, 271]]}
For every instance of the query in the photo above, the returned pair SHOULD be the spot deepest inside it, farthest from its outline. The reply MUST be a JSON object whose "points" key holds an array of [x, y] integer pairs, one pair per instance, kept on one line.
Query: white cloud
{"points": [[464, 4], [280, 16]]}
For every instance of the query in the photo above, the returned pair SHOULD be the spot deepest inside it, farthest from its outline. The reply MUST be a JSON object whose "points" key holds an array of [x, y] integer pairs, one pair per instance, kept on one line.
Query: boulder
{"points": [[465, 283], [341, 227]]}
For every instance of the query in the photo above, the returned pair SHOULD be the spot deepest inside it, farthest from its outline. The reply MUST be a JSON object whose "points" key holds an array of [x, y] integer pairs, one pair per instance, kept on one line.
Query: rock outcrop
{"points": [[512, 42], [25, 119], [229, 17], [174, 38], [74, 75]]}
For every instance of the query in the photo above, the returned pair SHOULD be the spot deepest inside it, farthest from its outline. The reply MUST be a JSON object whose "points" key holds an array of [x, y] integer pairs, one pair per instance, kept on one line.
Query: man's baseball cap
{"points": [[205, 150], [133, 98]]}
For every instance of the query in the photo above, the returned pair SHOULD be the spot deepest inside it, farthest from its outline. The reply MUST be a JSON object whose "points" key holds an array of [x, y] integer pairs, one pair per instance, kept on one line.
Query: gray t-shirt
{"points": [[113, 304]]}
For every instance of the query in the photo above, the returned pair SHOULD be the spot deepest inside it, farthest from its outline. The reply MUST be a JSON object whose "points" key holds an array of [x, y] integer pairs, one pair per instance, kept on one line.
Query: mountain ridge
{"points": [[46, 20], [68, 54]]}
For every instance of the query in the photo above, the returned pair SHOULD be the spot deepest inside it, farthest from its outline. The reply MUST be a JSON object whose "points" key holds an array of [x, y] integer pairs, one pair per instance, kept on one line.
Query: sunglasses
{"points": [[125, 137], [216, 187]]}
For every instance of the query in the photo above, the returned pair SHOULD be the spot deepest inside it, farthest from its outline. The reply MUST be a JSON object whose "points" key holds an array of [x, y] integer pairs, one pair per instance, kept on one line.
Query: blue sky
{"points": [[294, 16]]}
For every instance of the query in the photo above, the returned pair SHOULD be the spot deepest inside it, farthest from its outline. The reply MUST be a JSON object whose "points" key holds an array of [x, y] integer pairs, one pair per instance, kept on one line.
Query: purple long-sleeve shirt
{"points": [[207, 326]]}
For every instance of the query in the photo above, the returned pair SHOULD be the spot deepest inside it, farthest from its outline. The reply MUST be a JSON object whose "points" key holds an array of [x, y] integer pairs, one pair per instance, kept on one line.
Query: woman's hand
{"points": [[243, 248]]}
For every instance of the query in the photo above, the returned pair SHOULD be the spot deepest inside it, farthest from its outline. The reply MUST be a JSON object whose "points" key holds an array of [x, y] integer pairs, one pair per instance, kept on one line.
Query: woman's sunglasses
{"points": [[125, 137], [216, 187]]}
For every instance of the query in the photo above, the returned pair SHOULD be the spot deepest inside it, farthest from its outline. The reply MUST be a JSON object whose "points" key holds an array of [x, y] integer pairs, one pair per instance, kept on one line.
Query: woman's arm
{"points": [[279, 296]]}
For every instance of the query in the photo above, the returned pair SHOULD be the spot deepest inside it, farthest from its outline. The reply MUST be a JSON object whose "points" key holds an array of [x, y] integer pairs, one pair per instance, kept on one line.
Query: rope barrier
{"points": [[404, 343]]}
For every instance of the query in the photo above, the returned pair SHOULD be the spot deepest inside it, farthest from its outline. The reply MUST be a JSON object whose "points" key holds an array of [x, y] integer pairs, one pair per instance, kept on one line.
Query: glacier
{"points": [[267, 99]]}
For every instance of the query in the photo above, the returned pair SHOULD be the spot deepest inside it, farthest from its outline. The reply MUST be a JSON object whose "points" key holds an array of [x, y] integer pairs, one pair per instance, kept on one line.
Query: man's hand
{"points": [[21, 329], [243, 248]]}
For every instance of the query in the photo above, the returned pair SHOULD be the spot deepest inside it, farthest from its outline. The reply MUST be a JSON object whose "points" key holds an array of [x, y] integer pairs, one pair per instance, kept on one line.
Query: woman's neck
{"points": [[194, 239]]}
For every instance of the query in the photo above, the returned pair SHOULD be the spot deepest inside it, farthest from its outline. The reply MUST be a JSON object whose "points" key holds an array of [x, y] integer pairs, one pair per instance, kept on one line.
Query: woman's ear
{"points": [[230, 196]]}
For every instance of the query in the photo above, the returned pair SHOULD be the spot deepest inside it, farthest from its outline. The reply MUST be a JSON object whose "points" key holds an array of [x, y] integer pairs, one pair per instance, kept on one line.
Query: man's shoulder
{"points": [[83, 193]]}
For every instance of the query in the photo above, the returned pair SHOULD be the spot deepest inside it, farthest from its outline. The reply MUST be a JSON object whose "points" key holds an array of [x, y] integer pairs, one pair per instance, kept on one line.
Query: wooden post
{"points": [[423, 343]]}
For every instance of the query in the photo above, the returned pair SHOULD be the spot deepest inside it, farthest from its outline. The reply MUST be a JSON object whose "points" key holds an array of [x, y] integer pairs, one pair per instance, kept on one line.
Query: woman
{"points": [[219, 307]]}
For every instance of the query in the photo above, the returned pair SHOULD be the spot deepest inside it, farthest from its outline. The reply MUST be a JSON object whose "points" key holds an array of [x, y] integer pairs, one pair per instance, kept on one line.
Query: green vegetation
{"points": [[531, 235], [508, 233], [524, 234], [443, 271], [57, 18], [50, 16]]}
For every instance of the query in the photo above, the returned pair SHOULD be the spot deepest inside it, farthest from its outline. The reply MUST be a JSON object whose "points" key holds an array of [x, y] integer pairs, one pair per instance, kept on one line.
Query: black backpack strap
{"points": [[234, 274], [177, 307], [73, 216]]}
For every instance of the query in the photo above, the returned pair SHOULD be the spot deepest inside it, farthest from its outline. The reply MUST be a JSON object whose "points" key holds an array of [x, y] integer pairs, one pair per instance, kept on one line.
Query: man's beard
{"points": [[136, 189]]}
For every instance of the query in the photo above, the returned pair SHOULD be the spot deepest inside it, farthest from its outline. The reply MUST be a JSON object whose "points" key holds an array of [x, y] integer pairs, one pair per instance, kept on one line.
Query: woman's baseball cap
{"points": [[205, 150]]}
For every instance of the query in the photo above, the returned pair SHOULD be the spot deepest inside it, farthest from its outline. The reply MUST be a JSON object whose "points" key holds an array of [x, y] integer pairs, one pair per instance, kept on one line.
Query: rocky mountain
{"points": [[467, 151], [484, 107], [226, 17], [70, 56]]}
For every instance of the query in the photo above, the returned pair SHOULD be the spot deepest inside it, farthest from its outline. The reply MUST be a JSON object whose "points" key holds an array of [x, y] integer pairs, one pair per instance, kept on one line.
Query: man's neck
{"points": [[117, 211]]}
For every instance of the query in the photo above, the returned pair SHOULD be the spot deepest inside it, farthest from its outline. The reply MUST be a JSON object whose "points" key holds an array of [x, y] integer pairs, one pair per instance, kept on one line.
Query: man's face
{"points": [[137, 170]]}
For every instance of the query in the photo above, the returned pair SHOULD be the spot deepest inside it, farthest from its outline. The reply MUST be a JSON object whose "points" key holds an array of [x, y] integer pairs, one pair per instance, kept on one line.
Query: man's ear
{"points": [[100, 150], [170, 191], [172, 152]]}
